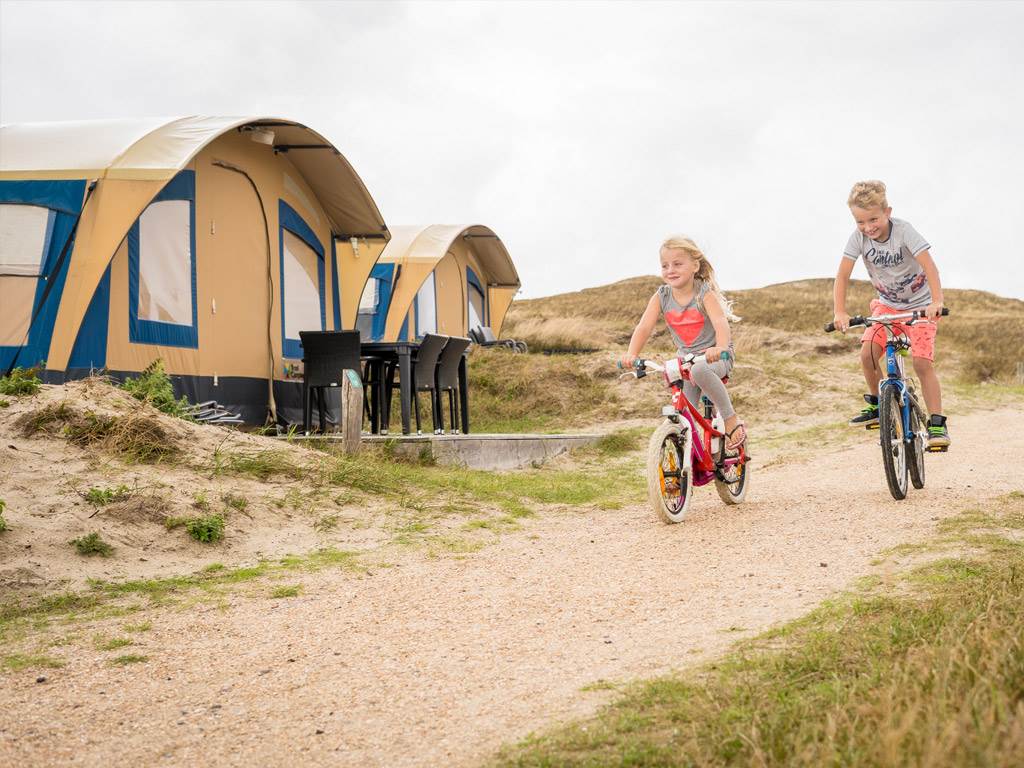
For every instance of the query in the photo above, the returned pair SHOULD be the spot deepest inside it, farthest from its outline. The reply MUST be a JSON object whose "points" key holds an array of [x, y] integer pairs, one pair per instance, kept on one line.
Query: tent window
{"points": [[24, 234], [426, 307], [475, 300], [303, 276], [24, 230], [371, 295], [162, 268], [302, 291], [165, 263]]}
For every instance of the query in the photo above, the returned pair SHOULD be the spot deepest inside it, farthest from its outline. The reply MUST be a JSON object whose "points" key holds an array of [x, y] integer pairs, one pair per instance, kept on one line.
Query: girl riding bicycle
{"points": [[697, 315]]}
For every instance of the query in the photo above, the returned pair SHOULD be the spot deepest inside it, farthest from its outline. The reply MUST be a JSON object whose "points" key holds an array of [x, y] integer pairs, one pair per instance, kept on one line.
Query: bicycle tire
{"points": [[670, 445], [894, 447], [735, 493], [916, 449]]}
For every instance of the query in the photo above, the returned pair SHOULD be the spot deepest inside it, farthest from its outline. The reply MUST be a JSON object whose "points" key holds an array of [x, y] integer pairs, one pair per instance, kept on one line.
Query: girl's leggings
{"points": [[707, 378]]}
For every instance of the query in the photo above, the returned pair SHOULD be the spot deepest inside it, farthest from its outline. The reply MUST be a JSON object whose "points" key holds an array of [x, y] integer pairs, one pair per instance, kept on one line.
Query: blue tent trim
{"points": [[474, 281], [335, 281], [90, 350], [289, 219], [64, 200], [140, 331], [383, 274]]}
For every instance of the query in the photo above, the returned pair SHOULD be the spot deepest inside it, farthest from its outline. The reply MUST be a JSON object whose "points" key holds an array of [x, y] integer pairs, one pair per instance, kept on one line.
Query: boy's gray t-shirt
{"points": [[892, 265]]}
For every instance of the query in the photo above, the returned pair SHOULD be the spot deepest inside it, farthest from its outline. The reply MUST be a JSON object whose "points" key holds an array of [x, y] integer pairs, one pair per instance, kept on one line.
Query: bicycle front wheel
{"points": [[669, 475], [894, 447], [916, 448]]}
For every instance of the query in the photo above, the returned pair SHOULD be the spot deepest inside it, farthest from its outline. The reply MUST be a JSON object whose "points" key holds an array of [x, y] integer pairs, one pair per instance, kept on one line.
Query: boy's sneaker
{"points": [[868, 417], [938, 433]]}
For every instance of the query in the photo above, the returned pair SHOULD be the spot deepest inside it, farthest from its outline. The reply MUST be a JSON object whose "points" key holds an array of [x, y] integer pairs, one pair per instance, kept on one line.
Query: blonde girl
{"points": [[697, 315]]}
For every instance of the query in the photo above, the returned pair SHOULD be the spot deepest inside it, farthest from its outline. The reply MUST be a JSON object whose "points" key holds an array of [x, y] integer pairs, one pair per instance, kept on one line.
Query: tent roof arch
{"points": [[155, 149], [418, 249]]}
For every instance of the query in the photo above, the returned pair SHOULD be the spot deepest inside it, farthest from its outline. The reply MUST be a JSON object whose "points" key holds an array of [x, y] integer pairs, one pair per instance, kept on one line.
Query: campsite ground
{"points": [[364, 612]]}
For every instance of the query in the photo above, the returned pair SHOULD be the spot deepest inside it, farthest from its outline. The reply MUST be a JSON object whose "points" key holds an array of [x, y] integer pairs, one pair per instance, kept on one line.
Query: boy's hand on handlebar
{"points": [[841, 321], [627, 360], [713, 354], [933, 310]]}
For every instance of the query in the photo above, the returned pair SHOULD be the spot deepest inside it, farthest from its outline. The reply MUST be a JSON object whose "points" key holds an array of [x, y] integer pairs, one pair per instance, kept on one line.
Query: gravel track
{"points": [[439, 662]]}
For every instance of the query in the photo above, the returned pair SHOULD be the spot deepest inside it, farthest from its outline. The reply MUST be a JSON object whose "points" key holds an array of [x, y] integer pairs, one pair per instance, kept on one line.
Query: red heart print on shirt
{"points": [[687, 324]]}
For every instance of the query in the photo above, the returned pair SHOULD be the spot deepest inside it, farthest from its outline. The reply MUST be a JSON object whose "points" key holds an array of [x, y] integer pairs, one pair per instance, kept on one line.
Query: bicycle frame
{"points": [[705, 467], [895, 342]]}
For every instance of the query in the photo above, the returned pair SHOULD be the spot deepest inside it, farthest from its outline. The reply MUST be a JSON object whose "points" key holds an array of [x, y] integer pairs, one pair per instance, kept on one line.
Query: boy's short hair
{"points": [[868, 194]]}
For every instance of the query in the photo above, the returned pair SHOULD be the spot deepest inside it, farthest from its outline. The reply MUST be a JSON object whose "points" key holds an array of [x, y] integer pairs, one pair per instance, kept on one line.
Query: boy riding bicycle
{"points": [[906, 278]]}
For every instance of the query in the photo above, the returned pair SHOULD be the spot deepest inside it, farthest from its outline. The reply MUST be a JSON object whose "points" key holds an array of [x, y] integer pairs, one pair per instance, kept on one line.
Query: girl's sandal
{"points": [[734, 444]]}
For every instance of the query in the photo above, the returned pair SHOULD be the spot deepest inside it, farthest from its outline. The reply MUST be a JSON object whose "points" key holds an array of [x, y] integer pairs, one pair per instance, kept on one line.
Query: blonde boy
{"points": [[906, 278]]}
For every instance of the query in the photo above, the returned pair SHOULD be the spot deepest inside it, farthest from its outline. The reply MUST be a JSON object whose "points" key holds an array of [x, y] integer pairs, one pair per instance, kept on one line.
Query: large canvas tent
{"points": [[208, 242], [438, 279]]}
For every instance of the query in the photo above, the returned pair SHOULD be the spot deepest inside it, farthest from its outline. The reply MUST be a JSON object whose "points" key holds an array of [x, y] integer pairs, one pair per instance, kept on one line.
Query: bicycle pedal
{"points": [[938, 449], [871, 427]]}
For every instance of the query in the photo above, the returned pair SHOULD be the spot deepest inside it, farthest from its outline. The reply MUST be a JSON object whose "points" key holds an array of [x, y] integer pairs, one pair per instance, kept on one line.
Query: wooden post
{"points": [[351, 411]]}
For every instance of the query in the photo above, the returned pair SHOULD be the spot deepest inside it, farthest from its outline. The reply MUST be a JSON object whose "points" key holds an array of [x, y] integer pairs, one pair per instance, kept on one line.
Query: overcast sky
{"points": [[583, 134]]}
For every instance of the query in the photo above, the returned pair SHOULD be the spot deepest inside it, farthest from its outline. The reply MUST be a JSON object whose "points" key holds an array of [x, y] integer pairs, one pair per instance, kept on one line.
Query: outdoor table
{"points": [[402, 352]]}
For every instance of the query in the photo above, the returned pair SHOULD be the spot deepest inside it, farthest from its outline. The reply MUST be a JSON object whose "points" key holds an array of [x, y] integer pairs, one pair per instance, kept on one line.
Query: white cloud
{"points": [[584, 133]]}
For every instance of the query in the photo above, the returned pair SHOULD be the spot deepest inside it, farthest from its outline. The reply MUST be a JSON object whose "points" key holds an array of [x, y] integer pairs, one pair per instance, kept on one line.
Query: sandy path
{"points": [[438, 662]]}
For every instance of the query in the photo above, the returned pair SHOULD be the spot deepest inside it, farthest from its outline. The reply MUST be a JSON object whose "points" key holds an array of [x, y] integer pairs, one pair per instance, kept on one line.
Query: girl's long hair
{"points": [[705, 272]]}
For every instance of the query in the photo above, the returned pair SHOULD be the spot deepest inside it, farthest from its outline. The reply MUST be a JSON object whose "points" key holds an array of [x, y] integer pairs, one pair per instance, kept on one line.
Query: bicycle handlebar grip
{"points": [[725, 354], [829, 327], [945, 311]]}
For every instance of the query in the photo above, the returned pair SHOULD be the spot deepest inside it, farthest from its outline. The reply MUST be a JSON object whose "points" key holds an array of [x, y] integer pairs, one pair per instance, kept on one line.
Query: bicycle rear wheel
{"points": [[669, 476], [894, 447]]}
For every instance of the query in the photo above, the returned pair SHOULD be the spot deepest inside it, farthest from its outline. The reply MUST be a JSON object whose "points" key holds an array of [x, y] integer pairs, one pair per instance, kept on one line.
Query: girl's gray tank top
{"points": [[690, 326]]}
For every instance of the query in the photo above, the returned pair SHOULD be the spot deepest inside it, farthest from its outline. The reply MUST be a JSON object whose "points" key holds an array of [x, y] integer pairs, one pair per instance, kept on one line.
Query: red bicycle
{"points": [[688, 449]]}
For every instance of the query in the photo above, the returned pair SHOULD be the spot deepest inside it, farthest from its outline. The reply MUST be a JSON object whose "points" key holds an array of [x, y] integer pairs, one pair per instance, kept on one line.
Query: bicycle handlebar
{"points": [[884, 319], [641, 367]]}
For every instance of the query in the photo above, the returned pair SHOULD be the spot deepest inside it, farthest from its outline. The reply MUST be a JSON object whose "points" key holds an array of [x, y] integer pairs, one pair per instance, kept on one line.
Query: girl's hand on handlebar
{"points": [[841, 321], [627, 360], [933, 310], [713, 354]]}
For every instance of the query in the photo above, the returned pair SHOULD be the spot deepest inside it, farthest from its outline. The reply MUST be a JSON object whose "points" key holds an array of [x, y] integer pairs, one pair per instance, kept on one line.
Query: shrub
{"points": [[21, 381], [207, 530], [3, 523], [100, 497], [92, 544], [154, 386]]}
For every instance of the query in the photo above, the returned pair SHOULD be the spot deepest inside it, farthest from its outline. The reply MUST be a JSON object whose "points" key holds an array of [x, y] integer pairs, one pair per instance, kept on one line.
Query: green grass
{"points": [[21, 381], [142, 626], [3, 522], [154, 386], [110, 644], [288, 591], [929, 672], [92, 544], [207, 530], [107, 598], [237, 503], [100, 497], [130, 658], [16, 662]]}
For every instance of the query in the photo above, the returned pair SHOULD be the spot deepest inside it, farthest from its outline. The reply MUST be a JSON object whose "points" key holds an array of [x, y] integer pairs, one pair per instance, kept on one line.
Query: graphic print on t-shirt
{"points": [[893, 266], [687, 324]]}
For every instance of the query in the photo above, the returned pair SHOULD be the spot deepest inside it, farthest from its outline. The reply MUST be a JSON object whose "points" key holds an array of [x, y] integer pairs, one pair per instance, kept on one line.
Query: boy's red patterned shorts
{"points": [[921, 333]]}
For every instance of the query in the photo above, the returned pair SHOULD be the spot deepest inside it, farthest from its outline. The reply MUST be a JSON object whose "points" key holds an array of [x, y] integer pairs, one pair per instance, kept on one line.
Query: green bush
{"points": [[208, 530], [92, 545], [3, 523], [154, 386], [100, 497], [22, 381]]}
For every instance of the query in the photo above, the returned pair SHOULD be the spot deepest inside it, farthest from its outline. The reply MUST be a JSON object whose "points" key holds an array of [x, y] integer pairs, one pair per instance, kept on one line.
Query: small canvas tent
{"points": [[208, 242], [438, 279]]}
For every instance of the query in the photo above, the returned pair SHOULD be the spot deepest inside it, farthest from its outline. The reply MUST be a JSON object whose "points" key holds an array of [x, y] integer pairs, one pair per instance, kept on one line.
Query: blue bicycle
{"points": [[901, 419]]}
